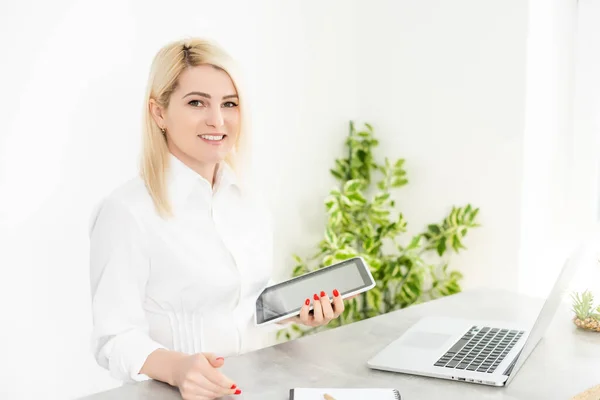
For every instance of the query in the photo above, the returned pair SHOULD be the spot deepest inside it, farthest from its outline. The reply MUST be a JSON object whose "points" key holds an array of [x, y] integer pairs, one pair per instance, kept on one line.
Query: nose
{"points": [[214, 117]]}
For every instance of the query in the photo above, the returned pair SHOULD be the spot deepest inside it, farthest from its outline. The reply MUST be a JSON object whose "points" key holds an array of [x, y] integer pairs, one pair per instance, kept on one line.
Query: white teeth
{"points": [[212, 137]]}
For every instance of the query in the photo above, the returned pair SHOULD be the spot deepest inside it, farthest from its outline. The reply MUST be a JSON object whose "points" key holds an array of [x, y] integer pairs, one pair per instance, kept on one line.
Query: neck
{"points": [[206, 170]]}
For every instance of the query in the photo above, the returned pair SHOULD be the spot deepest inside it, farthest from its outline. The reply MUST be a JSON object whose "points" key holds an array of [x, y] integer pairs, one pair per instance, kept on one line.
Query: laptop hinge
{"points": [[512, 364]]}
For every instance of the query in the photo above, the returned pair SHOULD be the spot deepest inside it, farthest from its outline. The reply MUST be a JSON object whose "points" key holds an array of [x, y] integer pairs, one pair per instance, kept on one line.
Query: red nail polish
{"points": [[233, 386], [238, 391], [336, 293], [322, 293], [307, 302], [316, 297]]}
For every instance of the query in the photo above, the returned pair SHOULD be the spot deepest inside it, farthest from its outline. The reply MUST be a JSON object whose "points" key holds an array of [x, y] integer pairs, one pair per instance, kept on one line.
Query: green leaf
{"points": [[357, 198], [336, 174], [434, 229], [373, 247], [337, 217], [456, 243], [346, 253], [414, 243], [327, 260], [346, 201], [381, 197], [346, 238], [398, 182], [473, 215], [361, 155], [379, 211], [330, 237], [399, 163], [299, 270], [441, 246], [369, 127], [330, 202], [352, 186]]}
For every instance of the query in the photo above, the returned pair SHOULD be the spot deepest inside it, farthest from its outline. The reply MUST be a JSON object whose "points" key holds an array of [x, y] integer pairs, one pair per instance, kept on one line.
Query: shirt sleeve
{"points": [[119, 268]]}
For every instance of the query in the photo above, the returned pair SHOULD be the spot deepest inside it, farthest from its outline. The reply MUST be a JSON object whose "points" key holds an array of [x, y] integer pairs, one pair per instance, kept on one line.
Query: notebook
{"points": [[344, 394]]}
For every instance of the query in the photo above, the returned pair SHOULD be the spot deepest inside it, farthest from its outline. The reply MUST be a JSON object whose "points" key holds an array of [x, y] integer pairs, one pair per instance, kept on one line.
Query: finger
{"points": [[203, 368], [338, 304], [318, 311], [215, 361], [216, 389], [327, 309], [204, 394], [215, 376], [192, 389], [304, 317]]}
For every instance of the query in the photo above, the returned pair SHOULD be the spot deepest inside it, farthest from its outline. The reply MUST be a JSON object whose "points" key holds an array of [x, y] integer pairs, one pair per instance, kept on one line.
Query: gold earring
{"points": [[163, 130]]}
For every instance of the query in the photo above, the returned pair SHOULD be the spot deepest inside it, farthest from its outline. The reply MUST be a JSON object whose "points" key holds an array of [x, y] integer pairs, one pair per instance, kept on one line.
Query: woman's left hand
{"points": [[324, 310]]}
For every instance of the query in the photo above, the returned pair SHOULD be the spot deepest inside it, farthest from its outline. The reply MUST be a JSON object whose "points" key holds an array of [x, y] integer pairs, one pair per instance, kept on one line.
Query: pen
{"points": [[328, 397]]}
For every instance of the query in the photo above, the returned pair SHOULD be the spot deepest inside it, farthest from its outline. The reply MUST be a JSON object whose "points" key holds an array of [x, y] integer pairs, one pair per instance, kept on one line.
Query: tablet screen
{"points": [[287, 297]]}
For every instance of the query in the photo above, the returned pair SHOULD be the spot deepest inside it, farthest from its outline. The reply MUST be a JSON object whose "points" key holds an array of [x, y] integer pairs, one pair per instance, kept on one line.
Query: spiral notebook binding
{"points": [[397, 394]]}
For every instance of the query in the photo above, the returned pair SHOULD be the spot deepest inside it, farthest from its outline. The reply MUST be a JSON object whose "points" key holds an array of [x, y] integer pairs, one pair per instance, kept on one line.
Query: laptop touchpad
{"points": [[425, 340]]}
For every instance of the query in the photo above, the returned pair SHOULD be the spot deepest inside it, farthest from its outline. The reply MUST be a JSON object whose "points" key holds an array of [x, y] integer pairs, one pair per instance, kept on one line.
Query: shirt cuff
{"points": [[128, 355]]}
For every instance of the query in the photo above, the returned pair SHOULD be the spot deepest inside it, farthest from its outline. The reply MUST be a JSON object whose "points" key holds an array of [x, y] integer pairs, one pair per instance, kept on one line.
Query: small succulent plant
{"points": [[587, 315]]}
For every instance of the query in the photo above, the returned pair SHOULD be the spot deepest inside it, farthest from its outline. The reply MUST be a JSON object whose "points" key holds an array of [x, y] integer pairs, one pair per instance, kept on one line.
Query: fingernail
{"points": [[316, 297], [238, 391], [336, 293], [322, 293], [233, 386], [220, 358], [307, 302]]}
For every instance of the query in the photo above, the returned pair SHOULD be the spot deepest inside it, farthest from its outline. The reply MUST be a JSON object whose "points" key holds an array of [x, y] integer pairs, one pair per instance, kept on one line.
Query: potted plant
{"points": [[587, 315], [362, 221]]}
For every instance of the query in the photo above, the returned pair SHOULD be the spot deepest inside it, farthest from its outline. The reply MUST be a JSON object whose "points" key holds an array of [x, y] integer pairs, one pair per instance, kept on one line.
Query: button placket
{"points": [[231, 249]]}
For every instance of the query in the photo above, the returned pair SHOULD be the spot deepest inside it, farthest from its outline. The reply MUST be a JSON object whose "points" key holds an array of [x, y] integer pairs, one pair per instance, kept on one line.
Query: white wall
{"points": [[444, 85], [547, 232], [584, 161], [306, 87]]}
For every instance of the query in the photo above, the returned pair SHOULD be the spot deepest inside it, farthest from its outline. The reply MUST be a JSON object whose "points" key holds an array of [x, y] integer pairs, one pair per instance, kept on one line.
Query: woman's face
{"points": [[202, 120]]}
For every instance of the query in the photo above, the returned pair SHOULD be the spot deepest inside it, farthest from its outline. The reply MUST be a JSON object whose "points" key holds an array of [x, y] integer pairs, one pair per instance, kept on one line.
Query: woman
{"points": [[180, 253]]}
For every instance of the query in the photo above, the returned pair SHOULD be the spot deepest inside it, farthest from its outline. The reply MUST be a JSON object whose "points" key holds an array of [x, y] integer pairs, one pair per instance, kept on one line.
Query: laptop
{"points": [[474, 351]]}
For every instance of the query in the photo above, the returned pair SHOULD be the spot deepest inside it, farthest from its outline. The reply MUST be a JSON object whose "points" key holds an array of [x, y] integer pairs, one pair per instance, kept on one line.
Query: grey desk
{"points": [[566, 361]]}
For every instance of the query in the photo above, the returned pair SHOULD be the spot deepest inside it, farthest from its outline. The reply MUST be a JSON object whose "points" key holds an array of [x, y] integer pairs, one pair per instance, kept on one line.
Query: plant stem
{"points": [[349, 175]]}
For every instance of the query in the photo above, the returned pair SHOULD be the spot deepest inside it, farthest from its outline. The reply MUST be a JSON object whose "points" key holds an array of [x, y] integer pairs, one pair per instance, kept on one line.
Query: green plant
{"points": [[587, 316], [361, 222], [583, 305]]}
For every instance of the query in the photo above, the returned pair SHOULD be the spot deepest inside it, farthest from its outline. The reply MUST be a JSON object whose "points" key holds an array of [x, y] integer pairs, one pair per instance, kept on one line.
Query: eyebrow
{"points": [[230, 96]]}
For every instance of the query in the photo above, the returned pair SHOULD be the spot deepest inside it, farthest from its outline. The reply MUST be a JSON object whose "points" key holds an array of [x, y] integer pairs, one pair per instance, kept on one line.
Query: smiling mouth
{"points": [[213, 138]]}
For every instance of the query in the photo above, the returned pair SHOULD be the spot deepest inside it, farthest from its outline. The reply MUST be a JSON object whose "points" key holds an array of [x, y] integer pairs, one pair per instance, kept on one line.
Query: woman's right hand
{"points": [[197, 377]]}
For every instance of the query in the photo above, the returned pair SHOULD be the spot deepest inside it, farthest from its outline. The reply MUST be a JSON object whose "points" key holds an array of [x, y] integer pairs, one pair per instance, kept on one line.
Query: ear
{"points": [[158, 114]]}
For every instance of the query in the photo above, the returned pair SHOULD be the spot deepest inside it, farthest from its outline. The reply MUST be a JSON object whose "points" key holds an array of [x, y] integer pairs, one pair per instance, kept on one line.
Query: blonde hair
{"points": [[167, 66]]}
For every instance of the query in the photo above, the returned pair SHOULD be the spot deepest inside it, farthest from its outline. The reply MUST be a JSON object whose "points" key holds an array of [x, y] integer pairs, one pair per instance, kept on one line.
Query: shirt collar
{"points": [[183, 180]]}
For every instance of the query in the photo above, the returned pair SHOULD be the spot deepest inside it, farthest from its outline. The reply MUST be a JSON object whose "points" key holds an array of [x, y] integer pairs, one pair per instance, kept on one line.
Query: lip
{"points": [[213, 142]]}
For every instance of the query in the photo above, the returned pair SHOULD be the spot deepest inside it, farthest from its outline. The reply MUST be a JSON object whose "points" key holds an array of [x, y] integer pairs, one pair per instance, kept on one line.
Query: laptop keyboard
{"points": [[480, 350]]}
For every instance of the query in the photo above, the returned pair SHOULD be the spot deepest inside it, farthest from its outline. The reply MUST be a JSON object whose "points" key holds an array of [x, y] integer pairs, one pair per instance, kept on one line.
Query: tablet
{"points": [[285, 299]]}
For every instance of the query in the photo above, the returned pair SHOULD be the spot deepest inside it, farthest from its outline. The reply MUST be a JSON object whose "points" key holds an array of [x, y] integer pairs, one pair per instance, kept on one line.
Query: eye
{"points": [[196, 103], [229, 104]]}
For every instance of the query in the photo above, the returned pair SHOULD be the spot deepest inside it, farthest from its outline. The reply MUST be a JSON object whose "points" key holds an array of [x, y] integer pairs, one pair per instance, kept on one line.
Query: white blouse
{"points": [[188, 283]]}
